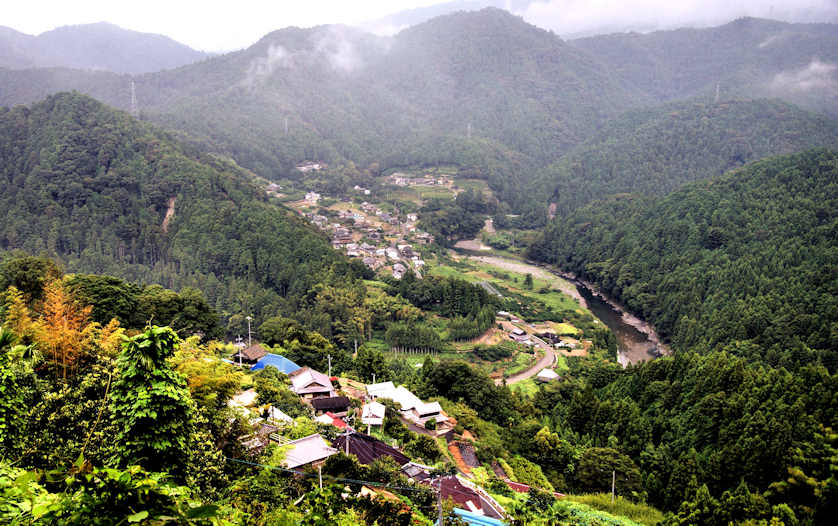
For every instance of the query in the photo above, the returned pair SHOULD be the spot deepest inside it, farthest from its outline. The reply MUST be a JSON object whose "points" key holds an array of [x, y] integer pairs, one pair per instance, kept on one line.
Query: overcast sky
{"points": [[216, 25]]}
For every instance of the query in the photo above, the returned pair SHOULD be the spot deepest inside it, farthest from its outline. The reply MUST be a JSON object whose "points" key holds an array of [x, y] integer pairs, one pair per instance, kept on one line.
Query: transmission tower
{"points": [[135, 111]]}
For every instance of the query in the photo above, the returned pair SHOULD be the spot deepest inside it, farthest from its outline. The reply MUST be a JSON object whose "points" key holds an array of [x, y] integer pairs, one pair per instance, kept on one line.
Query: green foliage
{"points": [[12, 426], [103, 497], [150, 404], [28, 274], [424, 447], [739, 258]]}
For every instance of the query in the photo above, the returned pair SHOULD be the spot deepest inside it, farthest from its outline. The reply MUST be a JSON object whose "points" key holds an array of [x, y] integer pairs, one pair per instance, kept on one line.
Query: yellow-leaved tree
{"points": [[18, 318], [62, 331]]}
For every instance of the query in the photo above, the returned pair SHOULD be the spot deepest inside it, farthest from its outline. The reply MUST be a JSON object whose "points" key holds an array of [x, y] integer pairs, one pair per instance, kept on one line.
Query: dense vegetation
{"points": [[106, 194], [749, 257], [655, 151]]}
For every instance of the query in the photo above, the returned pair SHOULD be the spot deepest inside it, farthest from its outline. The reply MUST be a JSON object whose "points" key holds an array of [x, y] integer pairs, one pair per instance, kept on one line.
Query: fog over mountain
{"points": [[100, 46]]}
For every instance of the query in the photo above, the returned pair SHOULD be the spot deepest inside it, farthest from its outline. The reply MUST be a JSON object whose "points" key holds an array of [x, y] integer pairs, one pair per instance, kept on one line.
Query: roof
{"points": [[278, 415], [475, 519], [373, 413], [307, 450], [276, 360], [548, 374], [416, 471], [243, 399], [381, 389], [307, 380], [451, 487], [368, 449], [328, 404], [251, 354], [431, 408], [336, 421]]}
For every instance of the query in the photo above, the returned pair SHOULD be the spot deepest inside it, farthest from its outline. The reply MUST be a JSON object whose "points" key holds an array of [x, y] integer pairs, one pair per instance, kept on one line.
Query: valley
{"points": [[471, 272]]}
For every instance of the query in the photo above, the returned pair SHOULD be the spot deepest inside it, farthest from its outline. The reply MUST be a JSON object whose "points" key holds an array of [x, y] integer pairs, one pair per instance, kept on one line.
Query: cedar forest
{"points": [[137, 246]]}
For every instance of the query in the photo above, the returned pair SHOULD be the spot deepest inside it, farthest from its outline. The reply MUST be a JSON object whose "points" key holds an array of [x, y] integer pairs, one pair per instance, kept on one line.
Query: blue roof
{"points": [[275, 360], [473, 519]]}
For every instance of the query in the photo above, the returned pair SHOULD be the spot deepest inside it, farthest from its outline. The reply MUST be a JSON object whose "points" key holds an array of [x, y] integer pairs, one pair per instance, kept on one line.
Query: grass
{"points": [[526, 387], [640, 513], [522, 362]]}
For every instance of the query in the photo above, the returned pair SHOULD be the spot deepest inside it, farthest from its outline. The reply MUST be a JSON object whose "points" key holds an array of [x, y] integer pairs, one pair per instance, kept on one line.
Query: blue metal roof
{"points": [[276, 360], [473, 519]]}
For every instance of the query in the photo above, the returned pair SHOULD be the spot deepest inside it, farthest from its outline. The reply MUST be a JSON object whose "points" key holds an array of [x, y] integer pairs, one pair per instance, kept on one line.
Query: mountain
{"points": [[655, 150], [100, 46], [745, 261], [747, 57], [482, 90], [393, 23], [109, 195]]}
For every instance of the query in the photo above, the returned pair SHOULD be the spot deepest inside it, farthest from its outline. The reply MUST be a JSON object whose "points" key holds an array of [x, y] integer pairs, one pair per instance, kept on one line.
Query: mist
{"points": [[577, 18]]}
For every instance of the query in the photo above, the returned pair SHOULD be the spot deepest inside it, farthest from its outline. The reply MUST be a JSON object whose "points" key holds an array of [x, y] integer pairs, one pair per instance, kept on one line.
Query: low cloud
{"points": [[263, 67], [817, 76], [338, 50], [571, 18]]}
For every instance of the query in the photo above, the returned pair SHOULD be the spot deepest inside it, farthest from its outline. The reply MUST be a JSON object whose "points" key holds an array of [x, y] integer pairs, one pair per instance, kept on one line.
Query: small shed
{"points": [[275, 360], [547, 375]]}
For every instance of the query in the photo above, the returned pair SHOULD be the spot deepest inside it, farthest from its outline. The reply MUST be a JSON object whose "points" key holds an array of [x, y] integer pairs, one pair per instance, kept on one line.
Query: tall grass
{"points": [[641, 513]]}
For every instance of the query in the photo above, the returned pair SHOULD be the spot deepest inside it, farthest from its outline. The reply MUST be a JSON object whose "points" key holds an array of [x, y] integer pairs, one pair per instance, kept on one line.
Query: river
{"points": [[633, 345], [637, 341]]}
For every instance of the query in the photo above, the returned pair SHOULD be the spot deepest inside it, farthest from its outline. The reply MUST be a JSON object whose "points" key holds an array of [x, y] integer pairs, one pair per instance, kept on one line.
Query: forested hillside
{"points": [[746, 57], [483, 90], [99, 46], [745, 261], [654, 151], [109, 195]]}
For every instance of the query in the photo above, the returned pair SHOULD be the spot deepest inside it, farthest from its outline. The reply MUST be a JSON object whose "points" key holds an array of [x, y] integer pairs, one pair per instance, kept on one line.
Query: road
{"points": [[548, 360]]}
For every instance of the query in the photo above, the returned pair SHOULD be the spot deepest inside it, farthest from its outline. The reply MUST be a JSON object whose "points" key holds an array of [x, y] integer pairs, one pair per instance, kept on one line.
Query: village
{"points": [[350, 418], [385, 240]]}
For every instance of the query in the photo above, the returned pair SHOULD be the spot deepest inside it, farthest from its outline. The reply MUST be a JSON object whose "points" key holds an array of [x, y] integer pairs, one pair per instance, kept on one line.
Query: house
{"points": [[381, 390], [518, 331], [412, 217], [311, 384], [312, 197], [243, 399], [373, 414], [276, 415], [283, 364], [335, 404], [421, 413], [392, 253], [399, 271], [250, 355], [400, 395], [371, 262], [417, 472], [310, 167], [331, 419], [368, 449], [307, 450], [547, 375], [468, 498]]}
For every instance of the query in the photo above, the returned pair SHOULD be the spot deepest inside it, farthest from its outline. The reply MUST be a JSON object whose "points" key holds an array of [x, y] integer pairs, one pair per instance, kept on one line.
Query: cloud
{"points": [[263, 67], [338, 50], [571, 18], [817, 76]]}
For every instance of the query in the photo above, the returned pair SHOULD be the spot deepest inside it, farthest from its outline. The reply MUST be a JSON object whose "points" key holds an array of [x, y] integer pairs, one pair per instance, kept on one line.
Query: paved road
{"points": [[548, 360]]}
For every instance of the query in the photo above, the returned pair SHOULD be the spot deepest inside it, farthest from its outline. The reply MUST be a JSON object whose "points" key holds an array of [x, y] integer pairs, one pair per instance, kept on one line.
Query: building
{"points": [[368, 449], [468, 497], [283, 364], [373, 414], [311, 384], [338, 405], [312, 197], [399, 271], [250, 355], [312, 449], [547, 375], [422, 413]]}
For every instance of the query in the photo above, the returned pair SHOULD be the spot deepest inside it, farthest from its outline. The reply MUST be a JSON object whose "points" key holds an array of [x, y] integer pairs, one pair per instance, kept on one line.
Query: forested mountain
{"points": [[656, 150], [747, 57], [109, 195], [746, 261], [100, 46], [483, 90]]}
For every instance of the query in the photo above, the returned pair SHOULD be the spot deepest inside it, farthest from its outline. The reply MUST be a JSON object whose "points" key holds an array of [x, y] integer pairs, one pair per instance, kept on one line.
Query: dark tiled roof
{"points": [[367, 449], [331, 403], [254, 353], [460, 494]]}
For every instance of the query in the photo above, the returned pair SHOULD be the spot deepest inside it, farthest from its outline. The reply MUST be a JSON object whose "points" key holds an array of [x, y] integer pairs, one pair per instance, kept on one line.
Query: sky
{"points": [[215, 25]]}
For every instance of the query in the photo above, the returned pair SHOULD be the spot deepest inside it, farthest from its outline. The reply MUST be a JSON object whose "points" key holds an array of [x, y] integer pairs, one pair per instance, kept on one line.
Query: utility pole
{"points": [[330, 366], [320, 476], [613, 480], [238, 342], [286, 125], [717, 92], [249, 340], [439, 502]]}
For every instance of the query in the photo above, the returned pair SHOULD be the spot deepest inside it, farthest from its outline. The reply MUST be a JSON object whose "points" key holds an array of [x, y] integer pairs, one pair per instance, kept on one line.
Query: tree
{"points": [[18, 317], [28, 274], [151, 404], [528, 281], [370, 364], [62, 330], [11, 400]]}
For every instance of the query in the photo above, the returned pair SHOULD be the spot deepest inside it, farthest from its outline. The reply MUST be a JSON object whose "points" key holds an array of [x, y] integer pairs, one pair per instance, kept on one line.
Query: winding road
{"points": [[548, 360]]}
